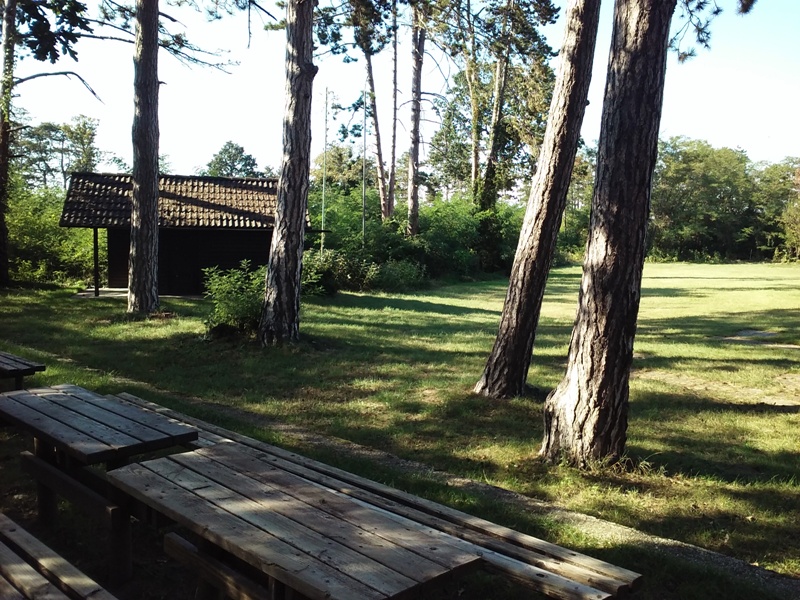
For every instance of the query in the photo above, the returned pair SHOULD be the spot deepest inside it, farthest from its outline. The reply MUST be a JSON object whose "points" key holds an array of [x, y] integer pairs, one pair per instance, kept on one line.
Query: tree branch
{"points": [[110, 38], [67, 74]]}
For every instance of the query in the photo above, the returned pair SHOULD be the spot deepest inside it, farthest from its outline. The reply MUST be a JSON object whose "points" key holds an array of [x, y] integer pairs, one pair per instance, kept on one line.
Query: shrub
{"points": [[39, 249], [400, 276], [321, 273], [449, 236], [236, 296]]}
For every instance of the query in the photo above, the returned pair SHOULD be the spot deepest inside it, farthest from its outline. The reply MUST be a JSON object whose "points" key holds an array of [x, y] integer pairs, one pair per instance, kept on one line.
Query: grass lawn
{"points": [[714, 431]]}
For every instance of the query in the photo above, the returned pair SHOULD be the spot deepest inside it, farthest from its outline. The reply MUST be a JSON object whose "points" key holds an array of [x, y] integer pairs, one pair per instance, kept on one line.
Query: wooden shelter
{"points": [[203, 222]]}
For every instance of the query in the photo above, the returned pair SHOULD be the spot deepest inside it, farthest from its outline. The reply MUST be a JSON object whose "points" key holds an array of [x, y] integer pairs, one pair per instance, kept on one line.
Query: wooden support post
{"points": [[96, 264], [113, 510], [120, 538], [46, 501], [277, 591]]}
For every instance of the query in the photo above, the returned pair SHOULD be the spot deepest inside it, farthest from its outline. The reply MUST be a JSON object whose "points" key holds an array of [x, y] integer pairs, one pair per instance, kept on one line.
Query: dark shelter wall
{"points": [[184, 253]]}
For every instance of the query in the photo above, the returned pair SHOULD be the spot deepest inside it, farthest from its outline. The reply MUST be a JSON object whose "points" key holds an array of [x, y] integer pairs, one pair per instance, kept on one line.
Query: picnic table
{"points": [[292, 531], [18, 368], [545, 567], [74, 428]]}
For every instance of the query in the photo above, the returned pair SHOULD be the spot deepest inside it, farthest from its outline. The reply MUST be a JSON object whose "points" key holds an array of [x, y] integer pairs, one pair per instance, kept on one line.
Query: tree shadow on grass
{"points": [[703, 436], [715, 327]]}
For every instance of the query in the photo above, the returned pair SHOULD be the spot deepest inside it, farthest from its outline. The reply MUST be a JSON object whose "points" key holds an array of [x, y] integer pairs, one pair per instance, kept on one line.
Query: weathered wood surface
{"points": [[551, 569], [30, 569], [227, 497], [91, 428], [11, 365], [17, 367]]}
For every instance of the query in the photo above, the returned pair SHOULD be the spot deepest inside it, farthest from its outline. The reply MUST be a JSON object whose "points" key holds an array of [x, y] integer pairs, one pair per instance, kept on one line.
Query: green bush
{"points": [[321, 273], [449, 234], [400, 276], [236, 297], [39, 249]]}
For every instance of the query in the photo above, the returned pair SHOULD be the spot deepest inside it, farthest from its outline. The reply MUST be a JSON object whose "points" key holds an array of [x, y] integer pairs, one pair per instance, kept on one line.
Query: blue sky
{"points": [[743, 93]]}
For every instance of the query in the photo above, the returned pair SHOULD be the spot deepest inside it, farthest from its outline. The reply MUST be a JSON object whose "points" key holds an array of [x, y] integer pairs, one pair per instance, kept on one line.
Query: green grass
{"points": [[714, 416]]}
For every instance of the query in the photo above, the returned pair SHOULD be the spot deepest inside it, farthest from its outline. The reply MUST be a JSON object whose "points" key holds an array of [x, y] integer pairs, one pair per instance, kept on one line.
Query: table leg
{"points": [[205, 590], [18, 382], [277, 590], [120, 539], [47, 502]]}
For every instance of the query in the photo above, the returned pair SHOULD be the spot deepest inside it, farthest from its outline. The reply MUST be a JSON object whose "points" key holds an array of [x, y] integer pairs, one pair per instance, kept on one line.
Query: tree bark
{"points": [[393, 159], [586, 416], [473, 86], [417, 56], [143, 258], [280, 314], [373, 106], [506, 371], [6, 88], [487, 190]]}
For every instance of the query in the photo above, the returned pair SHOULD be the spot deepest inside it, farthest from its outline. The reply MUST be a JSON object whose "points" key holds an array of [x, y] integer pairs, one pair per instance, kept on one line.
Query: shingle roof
{"points": [[104, 200]]}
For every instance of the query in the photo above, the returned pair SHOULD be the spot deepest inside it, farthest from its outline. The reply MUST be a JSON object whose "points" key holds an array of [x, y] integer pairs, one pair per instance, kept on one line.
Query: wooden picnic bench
{"points": [[73, 429], [545, 567], [30, 569], [18, 368]]}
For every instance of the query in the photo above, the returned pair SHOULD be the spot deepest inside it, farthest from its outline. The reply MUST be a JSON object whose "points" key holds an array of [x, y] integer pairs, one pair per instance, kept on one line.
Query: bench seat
{"points": [[31, 570], [18, 368]]}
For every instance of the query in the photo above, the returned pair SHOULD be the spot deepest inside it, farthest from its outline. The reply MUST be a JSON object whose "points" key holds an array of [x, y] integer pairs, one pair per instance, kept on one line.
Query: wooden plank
{"points": [[84, 448], [461, 519], [546, 575], [493, 551], [24, 577], [544, 581], [272, 556], [502, 543], [317, 512], [8, 591], [178, 432], [230, 582], [61, 407], [239, 495], [403, 545], [12, 365], [147, 436], [64, 485], [65, 576]]}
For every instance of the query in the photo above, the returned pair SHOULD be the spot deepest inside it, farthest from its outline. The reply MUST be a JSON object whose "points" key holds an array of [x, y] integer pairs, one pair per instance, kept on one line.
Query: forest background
{"points": [[709, 203]]}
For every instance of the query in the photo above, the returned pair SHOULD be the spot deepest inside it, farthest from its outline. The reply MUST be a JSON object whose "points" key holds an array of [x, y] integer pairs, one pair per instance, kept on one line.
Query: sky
{"points": [[742, 93]]}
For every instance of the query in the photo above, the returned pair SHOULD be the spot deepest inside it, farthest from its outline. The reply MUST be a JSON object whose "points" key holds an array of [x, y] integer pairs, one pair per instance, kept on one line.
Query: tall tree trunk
{"points": [[143, 259], [6, 88], [487, 197], [586, 416], [417, 56], [280, 314], [393, 159], [471, 72], [506, 371], [373, 106]]}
